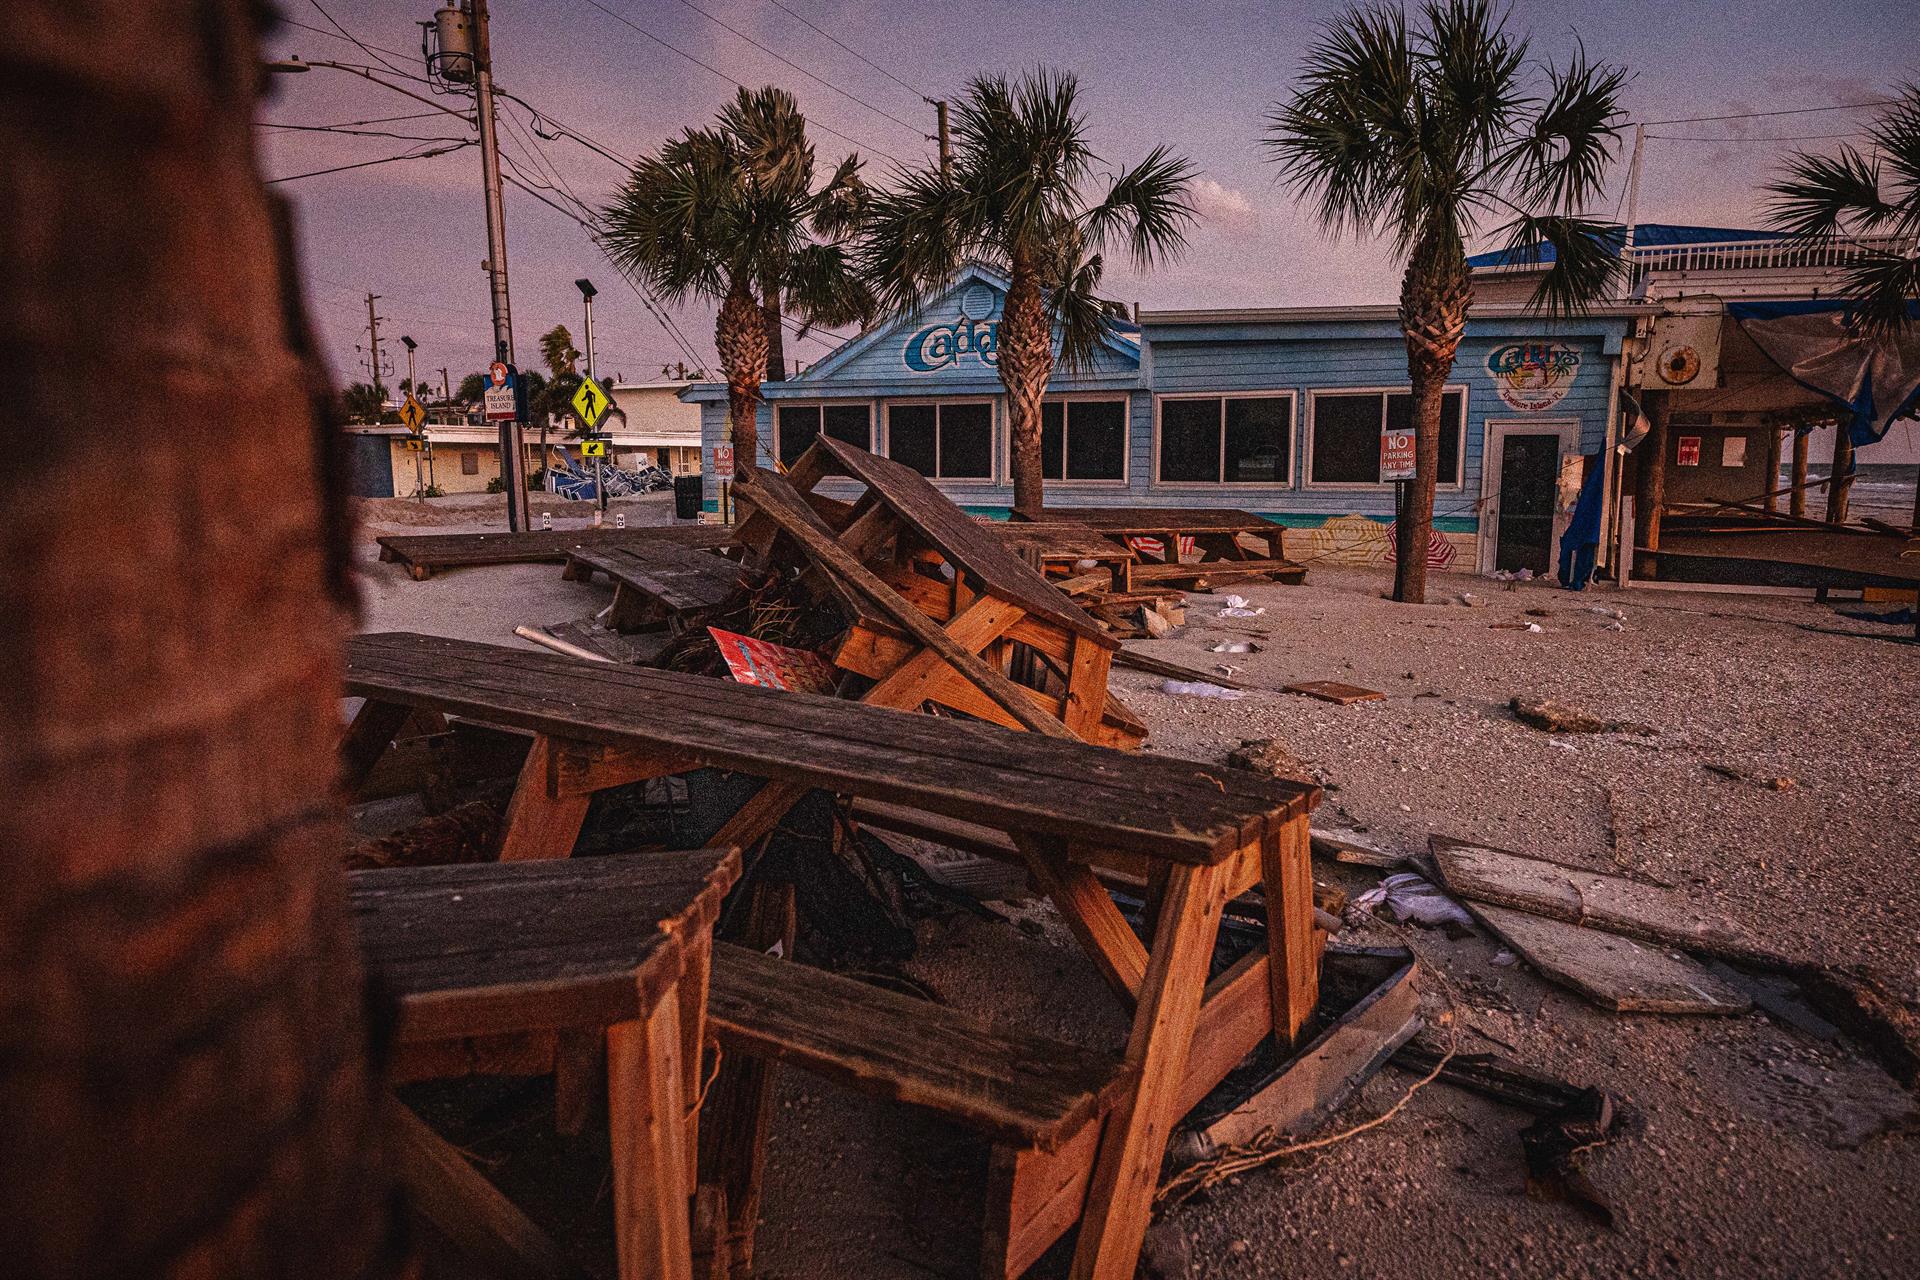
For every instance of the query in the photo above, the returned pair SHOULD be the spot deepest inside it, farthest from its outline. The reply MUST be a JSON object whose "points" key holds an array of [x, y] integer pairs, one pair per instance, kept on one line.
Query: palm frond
{"points": [[1082, 318], [1147, 206], [1562, 156], [1896, 136], [912, 239], [1469, 68], [1882, 288], [1585, 265], [1821, 196]]}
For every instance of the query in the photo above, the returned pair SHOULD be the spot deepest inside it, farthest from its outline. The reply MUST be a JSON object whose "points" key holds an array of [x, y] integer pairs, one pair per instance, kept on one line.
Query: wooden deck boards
{"points": [[424, 553], [1154, 805], [1012, 1086], [674, 578]]}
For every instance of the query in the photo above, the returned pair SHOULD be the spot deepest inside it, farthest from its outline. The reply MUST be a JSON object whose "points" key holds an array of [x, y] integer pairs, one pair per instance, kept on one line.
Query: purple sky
{"points": [[1199, 77]]}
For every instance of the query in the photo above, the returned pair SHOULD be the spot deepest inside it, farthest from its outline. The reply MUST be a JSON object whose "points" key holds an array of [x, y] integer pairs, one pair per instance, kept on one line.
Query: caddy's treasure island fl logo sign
{"points": [[976, 334], [1532, 376]]}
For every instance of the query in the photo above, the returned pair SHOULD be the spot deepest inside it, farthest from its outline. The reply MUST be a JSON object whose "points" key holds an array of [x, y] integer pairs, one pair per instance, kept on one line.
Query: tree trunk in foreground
{"points": [[740, 334], [1434, 297], [184, 1080], [773, 311], [1025, 358]]}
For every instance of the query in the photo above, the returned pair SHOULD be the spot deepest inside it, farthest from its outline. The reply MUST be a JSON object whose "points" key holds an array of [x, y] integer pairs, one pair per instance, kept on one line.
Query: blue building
{"points": [[1278, 411]]}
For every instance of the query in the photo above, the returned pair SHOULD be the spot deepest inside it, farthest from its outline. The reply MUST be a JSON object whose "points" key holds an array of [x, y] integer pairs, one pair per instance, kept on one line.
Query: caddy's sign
{"points": [[973, 335], [1532, 376]]}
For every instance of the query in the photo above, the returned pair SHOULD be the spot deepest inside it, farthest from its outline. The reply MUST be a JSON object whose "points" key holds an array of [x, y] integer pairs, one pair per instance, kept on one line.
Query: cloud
{"points": [[1225, 207]]}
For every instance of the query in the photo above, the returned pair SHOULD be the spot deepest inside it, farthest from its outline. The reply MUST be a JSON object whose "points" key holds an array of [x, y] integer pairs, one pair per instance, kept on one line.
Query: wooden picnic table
{"points": [[540, 952], [424, 553], [1216, 531], [1198, 835], [1058, 546], [657, 582]]}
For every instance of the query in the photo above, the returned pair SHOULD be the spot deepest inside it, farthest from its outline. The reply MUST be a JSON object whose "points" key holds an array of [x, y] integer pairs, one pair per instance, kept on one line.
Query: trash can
{"points": [[686, 497]]}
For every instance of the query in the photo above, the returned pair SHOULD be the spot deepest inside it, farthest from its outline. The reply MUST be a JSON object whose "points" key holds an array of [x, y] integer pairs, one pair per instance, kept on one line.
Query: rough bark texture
{"points": [[184, 1079], [1434, 296], [740, 334], [773, 311], [1797, 502], [1026, 363], [1650, 480]]}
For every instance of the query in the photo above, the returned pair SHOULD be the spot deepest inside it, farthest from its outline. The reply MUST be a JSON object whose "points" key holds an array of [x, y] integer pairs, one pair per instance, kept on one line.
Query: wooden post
{"points": [[1797, 504], [1650, 476], [1840, 481], [648, 1124], [1773, 467]]}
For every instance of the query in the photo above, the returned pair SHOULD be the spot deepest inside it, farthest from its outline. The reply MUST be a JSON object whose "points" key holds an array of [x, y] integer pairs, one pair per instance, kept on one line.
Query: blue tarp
{"points": [[1872, 380]]}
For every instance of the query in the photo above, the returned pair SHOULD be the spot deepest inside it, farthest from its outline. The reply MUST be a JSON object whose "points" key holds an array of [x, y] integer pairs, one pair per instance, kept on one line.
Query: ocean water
{"points": [[1877, 487]]}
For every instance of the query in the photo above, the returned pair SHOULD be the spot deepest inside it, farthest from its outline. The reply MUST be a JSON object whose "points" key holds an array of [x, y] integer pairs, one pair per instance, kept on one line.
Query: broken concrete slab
{"points": [[1614, 972], [1613, 903]]}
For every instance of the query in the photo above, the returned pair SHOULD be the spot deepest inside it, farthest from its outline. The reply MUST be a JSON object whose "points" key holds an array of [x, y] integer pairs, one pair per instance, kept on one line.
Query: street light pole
{"points": [[599, 460], [512, 461]]}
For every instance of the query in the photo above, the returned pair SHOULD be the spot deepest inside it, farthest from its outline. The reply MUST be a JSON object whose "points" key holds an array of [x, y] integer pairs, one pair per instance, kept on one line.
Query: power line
{"points": [[802, 19], [348, 124], [587, 140], [709, 67], [362, 45], [364, 164], [1789, 111], [358, 133], [1800, 137], [785, 61]]}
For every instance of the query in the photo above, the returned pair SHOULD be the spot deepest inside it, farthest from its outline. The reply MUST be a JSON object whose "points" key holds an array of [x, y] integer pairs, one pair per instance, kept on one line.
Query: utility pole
{"points": [[587, 291], [419, 485], [1633, 198], [945, 138], [446, 390], [512, 460], [373, 366]]}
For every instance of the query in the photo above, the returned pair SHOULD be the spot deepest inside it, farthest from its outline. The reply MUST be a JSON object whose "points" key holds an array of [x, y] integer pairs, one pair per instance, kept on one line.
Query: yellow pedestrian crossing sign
{"points": [[591, 403], [413, 413], [593, 448]]}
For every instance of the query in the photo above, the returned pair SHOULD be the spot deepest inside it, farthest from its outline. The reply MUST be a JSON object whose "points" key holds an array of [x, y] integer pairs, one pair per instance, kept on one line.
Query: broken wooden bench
{"points": [[425, 553], [523, 968], [1197, 835], [656, 582]]}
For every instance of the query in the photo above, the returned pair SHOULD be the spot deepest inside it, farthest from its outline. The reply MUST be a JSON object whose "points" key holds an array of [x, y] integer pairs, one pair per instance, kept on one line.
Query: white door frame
{"points": [[1491, 448]]}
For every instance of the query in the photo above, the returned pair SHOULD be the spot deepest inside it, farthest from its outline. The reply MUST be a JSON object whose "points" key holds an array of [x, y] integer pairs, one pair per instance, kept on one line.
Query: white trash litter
{"points": [[1412, 897], [1203, 689]]}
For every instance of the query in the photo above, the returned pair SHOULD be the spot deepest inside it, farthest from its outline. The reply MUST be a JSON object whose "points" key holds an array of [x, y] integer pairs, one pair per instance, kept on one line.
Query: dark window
{"points": [[469, 463], [799, 424], [1083, 440], [1346, 434], [1189, 440], [944, 441], [1233, 439]]}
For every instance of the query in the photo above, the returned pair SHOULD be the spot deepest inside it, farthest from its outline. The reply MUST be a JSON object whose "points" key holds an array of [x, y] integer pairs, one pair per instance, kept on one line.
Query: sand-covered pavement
{"points": [[1758, 1149]]}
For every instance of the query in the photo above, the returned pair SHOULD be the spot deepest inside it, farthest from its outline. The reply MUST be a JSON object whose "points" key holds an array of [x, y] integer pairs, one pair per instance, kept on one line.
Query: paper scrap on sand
{"points": [[773, 666]]}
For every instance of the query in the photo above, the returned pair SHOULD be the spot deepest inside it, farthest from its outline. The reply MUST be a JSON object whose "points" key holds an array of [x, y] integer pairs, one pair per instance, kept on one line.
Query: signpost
{"points": [[499, 396], [413, 414], [1398, 451], [591, 402]]}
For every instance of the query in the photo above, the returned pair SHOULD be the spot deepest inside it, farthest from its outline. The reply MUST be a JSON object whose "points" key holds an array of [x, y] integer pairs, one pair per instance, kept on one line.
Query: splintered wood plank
{"points": [[647, 1130], [1120, 1196], [1334, 691], [1292, 939], [425, 552], [541, 821], [1612, 903], [679, 579], [1008, 1084], [488, 1231], [972, 628], [1614, 972]]}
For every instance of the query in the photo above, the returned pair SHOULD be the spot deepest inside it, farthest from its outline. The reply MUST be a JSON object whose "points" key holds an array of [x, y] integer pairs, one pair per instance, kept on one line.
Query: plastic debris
{"points": [[1505, 959], [1234, 646], [1202, 689], [1236, 607], [1605, 612], [1412, 897]]}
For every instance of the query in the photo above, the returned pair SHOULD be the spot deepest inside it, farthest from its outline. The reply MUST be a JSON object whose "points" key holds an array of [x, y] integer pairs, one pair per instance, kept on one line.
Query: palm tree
{"points": [[363, 402], [731, 213], [556, 396], [1424, 136], [1827, 198], [1013, 198], [185, 1085]]}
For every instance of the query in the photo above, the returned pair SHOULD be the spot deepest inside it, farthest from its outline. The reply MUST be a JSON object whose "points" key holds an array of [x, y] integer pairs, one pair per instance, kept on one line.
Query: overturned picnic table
{"points": [[1215, 531], [425, 553], [657, 582], [1197, 835], [506, 967]]}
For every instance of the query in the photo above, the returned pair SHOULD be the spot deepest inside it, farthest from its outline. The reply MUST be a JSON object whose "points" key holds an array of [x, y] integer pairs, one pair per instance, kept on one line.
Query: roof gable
{"points": [[951, 338]]}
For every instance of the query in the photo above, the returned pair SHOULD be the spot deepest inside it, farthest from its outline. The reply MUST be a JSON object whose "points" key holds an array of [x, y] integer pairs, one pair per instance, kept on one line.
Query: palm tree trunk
{"points": [[184, 1078], [740, 334], [1434, 297], [776, 334], [1025, 358]]}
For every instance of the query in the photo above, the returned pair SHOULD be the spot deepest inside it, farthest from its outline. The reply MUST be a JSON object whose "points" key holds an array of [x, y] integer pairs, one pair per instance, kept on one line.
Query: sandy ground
{"points": [[1759, 1150]]}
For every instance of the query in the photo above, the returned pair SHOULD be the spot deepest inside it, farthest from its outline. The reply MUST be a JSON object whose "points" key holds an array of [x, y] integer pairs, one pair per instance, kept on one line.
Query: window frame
{"points": [[1442, 485], [993, 431], [1124, 399], [1289, 394], [775, 406]]}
